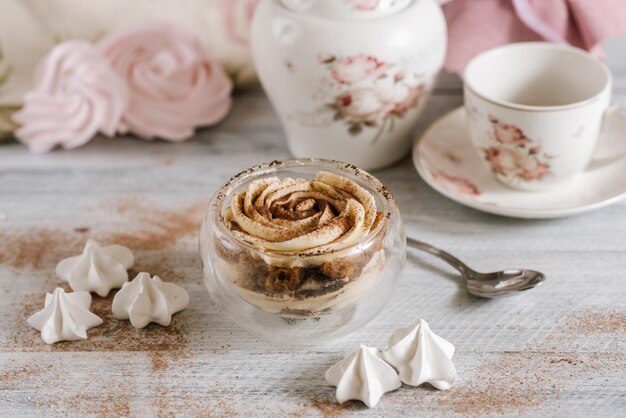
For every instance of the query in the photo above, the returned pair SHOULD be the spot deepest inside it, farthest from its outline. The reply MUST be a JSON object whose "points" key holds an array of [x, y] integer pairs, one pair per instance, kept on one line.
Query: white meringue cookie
{"points": [[98, 269], [65, 317], [421, 356], [146, 300], [362, 375]]}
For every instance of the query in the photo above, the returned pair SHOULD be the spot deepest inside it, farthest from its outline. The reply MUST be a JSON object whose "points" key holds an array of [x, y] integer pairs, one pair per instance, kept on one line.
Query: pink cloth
{"points": [[478, 25]]}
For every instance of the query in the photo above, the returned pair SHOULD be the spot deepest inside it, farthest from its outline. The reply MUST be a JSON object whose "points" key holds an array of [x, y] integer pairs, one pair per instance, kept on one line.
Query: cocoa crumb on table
{"points": [[520, 382], [134, 223], [593, 322], [117, 405], [10, 375], [330, 408], [153, 228], [567, 360], [37, 247], [158, 360]]}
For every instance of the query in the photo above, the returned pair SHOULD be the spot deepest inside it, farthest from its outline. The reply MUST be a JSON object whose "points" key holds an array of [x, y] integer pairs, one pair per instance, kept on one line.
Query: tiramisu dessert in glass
{"points": [[302, 250]]}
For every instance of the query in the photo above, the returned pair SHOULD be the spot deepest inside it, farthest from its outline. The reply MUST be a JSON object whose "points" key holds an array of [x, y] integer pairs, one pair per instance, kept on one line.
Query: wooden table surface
{"points": [[558, 351]]}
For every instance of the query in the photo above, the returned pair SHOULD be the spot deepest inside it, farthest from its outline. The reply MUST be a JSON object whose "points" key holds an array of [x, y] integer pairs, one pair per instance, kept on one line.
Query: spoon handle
{"points": [[467, 272]]}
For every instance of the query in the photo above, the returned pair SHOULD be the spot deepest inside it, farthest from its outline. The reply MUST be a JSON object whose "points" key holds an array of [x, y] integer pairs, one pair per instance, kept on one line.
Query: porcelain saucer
{"points": [[446, 160]]}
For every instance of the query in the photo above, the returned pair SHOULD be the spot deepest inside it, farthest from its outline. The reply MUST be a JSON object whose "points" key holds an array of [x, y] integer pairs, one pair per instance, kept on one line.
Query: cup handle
{"points": [[617, 112], [614, 114]]}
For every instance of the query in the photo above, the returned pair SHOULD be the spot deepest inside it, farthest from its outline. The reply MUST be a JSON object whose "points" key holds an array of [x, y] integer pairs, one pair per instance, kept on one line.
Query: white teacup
{"points": [[535, 111]]}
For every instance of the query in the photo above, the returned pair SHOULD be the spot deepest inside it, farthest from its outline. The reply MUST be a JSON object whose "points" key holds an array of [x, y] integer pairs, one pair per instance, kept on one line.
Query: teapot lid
{"points": [[346, 9]]}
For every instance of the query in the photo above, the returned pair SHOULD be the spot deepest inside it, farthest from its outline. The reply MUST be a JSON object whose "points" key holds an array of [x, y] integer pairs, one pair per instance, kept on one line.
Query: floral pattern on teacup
{"points": [[456, 184], [512, 154], [369, 93], [509, 134], [516, 162]]}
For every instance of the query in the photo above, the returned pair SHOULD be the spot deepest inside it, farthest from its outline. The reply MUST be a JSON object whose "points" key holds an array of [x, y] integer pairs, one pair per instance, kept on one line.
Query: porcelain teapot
{"points": [[349, 78]]}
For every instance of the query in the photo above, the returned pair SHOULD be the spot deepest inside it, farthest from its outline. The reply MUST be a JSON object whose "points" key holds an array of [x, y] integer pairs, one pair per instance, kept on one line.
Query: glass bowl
{"points": [[307, 295]]}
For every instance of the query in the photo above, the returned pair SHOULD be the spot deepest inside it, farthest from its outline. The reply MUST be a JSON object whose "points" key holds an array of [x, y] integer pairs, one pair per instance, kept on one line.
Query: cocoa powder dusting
{"points": [[502, 386], [150, 228], [330, 408], [522, 381], [37, 247], [110, 405], [168, 405], [592, 322], [158, 361], [41, 377], [131, 222], [10, 376]]}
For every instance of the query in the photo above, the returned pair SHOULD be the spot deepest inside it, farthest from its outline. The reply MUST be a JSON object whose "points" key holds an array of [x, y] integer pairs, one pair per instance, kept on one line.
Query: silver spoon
{"points": [[486, 285]]}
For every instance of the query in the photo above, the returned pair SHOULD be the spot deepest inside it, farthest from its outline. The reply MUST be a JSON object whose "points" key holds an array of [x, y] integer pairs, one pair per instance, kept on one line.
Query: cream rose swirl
{"points": [[77, 94], [301, 216], [174, 85]]}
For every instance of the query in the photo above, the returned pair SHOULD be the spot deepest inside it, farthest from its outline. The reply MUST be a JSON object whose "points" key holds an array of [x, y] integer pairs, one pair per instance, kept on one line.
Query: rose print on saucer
{"points": [[455, 184], [366, 93], [513, 154]]}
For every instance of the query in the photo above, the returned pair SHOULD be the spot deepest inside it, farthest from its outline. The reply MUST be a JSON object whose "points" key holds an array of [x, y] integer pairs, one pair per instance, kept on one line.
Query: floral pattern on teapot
{"points": [[370, 94]]}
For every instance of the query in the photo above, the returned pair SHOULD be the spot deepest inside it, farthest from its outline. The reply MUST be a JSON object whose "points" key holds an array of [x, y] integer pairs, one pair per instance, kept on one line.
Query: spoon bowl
{"points": [[504, 283], [486, 285]]}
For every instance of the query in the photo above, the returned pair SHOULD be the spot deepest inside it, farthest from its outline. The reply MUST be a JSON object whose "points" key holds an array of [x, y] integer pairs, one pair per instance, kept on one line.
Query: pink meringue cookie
{"points": [[76, 95], [174, 85]]}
